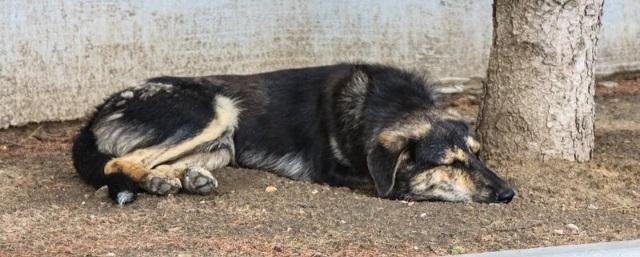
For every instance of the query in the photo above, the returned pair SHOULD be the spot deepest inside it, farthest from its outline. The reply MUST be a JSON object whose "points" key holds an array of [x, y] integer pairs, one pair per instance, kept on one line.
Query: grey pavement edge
{"points": [[609, 249]]}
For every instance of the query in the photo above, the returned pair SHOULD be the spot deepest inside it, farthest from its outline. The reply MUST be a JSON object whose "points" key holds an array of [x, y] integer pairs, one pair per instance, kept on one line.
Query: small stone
{"points": [[343, 222], [455, 89], [608, 84], [572, 227], [423, 215], [110, 254], [456, 249], [411, 203], [174, 229], [83, 203], [203, 202], [277, 248], [558, 232], [315, 191], [592, 207], [271, 189]]}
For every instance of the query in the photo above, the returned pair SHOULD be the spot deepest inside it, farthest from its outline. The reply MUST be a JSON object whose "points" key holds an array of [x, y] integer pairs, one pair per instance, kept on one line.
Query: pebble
{"points": [[411, 203], [608, 84], [592, 207], [572, 227], [110, 254], [315, 191], [456, 249], [270, 189], [558, 232], [455, 89], [174, 229], [423, 215]]}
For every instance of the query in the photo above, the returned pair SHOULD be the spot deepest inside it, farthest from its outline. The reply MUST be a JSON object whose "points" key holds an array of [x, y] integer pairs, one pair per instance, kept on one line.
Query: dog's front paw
{"points": [[161, 185], [199, 181]]}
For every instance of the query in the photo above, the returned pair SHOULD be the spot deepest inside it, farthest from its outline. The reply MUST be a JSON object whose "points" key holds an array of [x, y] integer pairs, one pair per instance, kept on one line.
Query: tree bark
{"points": [[538, 101]]}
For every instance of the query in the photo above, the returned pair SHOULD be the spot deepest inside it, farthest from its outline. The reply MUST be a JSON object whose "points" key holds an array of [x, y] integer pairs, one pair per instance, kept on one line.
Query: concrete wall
{"points": [[59, 58], [619, 45]]}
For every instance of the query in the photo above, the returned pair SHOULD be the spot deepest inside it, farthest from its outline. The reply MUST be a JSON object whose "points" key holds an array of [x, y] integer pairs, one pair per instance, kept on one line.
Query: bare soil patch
{"points": [[45, 210]]}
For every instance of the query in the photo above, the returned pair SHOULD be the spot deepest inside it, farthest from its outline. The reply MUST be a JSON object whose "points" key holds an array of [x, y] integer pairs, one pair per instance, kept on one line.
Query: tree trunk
{"points": [[538, 101]]}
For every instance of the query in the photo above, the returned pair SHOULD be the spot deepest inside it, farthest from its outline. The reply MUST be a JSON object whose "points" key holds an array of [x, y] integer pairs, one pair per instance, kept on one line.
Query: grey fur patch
{"points": [[352, 98], [337, 153], [150, 88], [114, 116], [291, 165], [223, 145], [115, 138], [118, 138]]}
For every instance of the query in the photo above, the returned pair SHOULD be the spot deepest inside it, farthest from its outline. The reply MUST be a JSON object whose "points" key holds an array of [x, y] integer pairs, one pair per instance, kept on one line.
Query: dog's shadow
{"points": [[241, 179]]}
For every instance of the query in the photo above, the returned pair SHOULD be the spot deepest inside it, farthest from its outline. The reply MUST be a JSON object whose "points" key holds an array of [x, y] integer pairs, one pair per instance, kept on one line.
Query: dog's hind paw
{"points": [[199, 181], [161, 185]]}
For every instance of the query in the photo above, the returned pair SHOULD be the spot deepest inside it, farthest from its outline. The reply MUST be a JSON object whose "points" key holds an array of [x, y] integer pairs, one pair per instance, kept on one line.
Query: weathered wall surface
{"points": [[619, 45], [59, 58]]}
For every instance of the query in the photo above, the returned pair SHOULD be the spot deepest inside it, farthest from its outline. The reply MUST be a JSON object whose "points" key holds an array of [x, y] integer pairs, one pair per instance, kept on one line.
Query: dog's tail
{"points": [[89, 162]]}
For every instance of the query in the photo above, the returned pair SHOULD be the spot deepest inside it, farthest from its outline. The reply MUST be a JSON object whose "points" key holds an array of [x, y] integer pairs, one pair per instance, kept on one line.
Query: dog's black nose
{"points": [[506, 195]]}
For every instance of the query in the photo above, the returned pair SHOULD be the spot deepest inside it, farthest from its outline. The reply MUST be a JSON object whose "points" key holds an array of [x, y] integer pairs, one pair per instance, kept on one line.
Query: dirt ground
{"points": [[45, 210]]}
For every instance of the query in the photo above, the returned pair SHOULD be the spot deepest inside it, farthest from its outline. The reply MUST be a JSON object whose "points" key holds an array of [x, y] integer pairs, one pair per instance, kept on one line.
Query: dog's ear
{"points": [[390, 152], [383, 165]]}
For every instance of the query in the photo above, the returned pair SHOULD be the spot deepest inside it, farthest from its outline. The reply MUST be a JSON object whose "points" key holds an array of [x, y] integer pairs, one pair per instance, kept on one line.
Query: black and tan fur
{"points": [[342, 125]]}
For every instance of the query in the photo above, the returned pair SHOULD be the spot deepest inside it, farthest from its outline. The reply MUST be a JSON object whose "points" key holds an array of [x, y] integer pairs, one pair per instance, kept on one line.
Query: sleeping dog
{"points": [[342, 125]]}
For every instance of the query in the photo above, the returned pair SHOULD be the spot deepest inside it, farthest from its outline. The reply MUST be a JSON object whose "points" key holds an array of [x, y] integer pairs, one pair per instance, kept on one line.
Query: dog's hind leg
{"points": [[160, 169], [158, 180], [191, 174], [194, 171]]}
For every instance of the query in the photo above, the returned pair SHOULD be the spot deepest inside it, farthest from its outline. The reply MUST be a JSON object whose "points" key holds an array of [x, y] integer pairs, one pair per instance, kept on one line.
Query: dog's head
{"points": [[433, 160]]}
